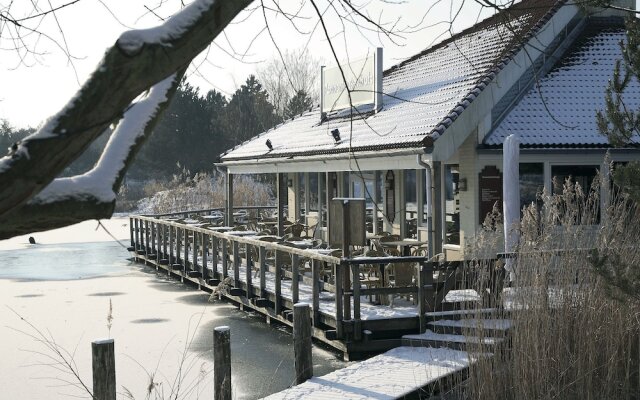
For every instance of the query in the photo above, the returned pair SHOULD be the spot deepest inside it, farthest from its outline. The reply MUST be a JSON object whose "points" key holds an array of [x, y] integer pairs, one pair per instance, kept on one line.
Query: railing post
{"points": [[315, 289], [225, 259], [171, 259], [153, 237], [248, 249], [194, 252], [137, 235], [214, 255], [104, 369], [278, 282], [146, 238], [222, 363], [186, 251], [178, 246], [236, 264], [303, 360], [131, 233], [263, 271], [295, 272], [357, 331], [205, 252], [338, 300], [422, 298], [164, 241]]}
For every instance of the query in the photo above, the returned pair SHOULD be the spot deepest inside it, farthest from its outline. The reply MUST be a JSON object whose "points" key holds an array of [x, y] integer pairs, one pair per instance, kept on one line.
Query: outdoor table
{"points": [[406, 245], [241, 233], [302, 244], [221, 228], [212, 217]]}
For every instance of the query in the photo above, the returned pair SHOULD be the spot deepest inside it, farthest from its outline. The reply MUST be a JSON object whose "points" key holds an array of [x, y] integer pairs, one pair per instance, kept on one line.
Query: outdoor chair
{"points": [[400, 274], [370, 274]]}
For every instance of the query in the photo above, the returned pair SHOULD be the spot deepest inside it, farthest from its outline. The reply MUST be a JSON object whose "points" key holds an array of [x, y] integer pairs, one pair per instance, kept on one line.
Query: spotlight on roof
{"points": [[269, 145], [336, 135]]}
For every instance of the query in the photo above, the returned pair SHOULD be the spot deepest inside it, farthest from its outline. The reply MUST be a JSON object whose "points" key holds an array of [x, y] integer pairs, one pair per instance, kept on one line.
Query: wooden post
{"points": [[178, 245], [278, 282], [422, 298], [346, 240], [131, 233], [225, 259], [205, 250], [282, 201], [295, 271], [303, 359], [153, 238], [357, 331], [194, 252], [164, 240], [104, 369], [248, 249], [171, 259], [263, 271], [338, 299], [236, 264], [315, 289], [222, 363], [214, 255], [185, 265], [137, 235], [146, 238], [229, 197]]}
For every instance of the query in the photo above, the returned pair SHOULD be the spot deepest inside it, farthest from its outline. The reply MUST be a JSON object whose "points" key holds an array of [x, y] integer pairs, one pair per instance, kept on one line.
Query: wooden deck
{"points": [[270, 278]]}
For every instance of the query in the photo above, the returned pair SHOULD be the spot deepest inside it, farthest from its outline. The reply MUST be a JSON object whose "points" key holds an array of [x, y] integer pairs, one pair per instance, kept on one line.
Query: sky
{"points": [[40, 72]]}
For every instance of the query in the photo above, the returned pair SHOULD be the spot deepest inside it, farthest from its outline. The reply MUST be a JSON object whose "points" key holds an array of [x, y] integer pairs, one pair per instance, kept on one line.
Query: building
{"points": [[538, 69]]}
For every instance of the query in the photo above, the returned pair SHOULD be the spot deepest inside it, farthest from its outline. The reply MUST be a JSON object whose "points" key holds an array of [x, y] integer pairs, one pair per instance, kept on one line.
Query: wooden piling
{"points": [[104, 369], [222, 363], [303, 359]]}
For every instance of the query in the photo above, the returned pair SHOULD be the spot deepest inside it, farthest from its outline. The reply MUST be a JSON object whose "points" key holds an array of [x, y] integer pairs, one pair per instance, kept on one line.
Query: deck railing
{"points": [[231, 264]]}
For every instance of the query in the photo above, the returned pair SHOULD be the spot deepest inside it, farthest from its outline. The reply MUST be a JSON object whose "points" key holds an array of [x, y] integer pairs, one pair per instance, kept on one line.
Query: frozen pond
{"points": [[65, 290]]}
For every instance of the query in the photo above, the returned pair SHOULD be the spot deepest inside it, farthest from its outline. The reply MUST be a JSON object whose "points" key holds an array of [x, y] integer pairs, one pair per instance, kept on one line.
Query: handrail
{"points": [[208, 210], [149, 237]]}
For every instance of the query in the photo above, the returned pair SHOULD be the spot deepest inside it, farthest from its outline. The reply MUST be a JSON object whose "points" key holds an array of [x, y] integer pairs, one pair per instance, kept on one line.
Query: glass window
{"points": [[410, 203], [531, 183], [582, 175], [452, 204]]}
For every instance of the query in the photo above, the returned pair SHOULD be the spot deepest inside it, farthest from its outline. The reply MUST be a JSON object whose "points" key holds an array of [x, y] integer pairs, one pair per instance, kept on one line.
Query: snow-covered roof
{"points": [[424, 94], [561, 110]]}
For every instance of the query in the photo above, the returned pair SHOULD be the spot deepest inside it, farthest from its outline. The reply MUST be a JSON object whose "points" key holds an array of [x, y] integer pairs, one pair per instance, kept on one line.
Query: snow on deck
{"points": [[443, 337], [391, 375]]}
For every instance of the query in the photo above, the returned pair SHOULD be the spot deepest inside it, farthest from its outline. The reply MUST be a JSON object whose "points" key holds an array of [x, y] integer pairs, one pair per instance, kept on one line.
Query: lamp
{"points": [[336, 135], [462, 185], [269, 145]]}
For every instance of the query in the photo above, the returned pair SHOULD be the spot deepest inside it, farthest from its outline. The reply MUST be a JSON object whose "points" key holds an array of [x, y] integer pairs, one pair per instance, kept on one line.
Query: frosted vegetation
{"points": [[573, 304], [185, 191]]}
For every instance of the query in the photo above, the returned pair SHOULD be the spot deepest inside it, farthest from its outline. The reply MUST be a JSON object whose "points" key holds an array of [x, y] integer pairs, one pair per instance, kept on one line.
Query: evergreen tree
{"points": [[249, 112], [298, 104], [621, 125]]}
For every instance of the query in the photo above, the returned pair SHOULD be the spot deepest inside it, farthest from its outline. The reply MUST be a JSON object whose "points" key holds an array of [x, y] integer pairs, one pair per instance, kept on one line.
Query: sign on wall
{"points": [[361, 78], [490, 185]]}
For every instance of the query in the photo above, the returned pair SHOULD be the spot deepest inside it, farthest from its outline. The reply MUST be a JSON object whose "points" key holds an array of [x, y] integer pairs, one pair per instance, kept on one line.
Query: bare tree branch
{"points": [[137, 61]]}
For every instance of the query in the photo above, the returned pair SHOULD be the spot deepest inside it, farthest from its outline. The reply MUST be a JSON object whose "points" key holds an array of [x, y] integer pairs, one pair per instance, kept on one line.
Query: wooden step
{"points": [[455, 342], [488, 327]]}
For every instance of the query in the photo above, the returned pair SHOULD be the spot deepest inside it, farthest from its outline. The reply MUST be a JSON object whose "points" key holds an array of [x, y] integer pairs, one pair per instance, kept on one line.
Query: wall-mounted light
{"points": [[269, 145], [462, 185], [336, 135]]}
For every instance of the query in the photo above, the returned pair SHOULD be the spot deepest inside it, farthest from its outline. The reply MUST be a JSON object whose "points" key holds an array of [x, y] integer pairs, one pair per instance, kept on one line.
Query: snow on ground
{"points": [[84, 232], [391, 375], [430, 335], [495, 324]]}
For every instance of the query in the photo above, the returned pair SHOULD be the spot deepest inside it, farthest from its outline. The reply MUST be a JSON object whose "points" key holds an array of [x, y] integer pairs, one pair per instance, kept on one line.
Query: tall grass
{"points": [[193, 192], [575, 334]]}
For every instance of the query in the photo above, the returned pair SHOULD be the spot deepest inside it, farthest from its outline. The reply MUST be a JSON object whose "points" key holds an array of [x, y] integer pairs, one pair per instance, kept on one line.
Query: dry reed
{"points": [[575, 334]]}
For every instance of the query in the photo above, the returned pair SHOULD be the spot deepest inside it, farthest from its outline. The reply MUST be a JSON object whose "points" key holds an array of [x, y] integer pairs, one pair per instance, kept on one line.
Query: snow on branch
{"points": [[121, 76], [102, 182]]}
